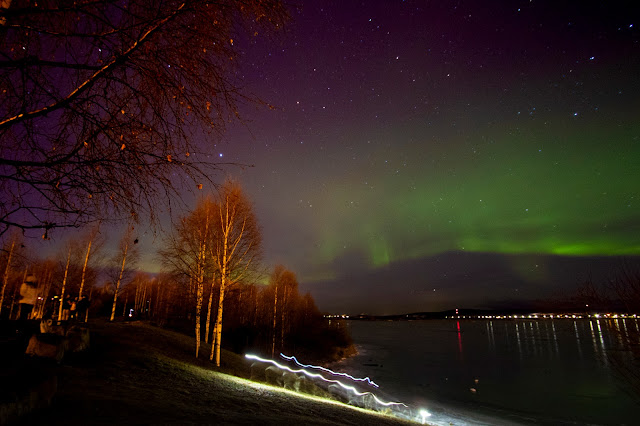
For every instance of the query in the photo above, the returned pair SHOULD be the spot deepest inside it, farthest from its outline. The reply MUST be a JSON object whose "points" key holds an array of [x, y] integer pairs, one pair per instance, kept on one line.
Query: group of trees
{"points": [[71, 276], [217, 249], [218, 242], [212, 270]]}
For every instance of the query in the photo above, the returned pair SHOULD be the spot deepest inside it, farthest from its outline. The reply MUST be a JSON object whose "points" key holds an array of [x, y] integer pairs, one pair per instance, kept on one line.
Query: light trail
{"points": [[317, 367], [320, 376]]}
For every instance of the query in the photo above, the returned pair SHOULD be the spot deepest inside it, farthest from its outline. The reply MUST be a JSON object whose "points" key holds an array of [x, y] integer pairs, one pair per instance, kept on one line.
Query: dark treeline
{"points": [[68, 276], [254, 318], [250, 309], [211, 261]]}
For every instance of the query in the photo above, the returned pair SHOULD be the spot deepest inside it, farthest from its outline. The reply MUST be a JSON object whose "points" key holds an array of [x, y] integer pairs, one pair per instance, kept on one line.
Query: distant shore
{"points": [[471, 314]]}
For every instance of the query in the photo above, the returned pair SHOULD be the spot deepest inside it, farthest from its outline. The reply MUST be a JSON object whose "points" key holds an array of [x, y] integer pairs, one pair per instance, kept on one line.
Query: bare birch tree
{"points": [[15, 292], [127, 248], [202, 251], [236, 248], [284, 285], [95, 242], [64, 285], [48, 268], [209, 308], [101, 101], [13, 253], [186, 253]]}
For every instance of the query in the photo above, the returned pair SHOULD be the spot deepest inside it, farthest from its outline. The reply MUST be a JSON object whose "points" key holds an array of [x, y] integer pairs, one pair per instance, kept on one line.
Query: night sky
{"points": [[487, 151], [430, 155]]}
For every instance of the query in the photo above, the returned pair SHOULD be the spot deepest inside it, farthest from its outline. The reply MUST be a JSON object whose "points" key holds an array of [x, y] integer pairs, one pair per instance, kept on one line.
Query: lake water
{"points": [[499, 372]]}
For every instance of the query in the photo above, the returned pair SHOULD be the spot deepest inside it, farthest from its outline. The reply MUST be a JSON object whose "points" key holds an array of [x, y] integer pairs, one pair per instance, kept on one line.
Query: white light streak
{"points": [[366, 379], [319, 376]]}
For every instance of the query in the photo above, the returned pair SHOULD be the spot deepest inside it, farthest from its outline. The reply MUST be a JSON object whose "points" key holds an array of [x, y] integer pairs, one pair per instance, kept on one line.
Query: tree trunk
{"points": [[143, 298], [6, 275], [254, 320], [86, 315], [218, 327], [45, 293], [64, 284], [159, 300], [15, 291], [200, 283], [199, 297], [282, 317], [207, 324], [84, 270], [223, 281], [275, 315], [115, 295]]}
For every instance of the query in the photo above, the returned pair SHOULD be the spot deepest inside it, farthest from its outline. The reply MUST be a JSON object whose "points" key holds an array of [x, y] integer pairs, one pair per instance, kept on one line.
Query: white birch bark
{"points": [[115, 295], [84, 270], [64, 284], [5, 279], [208, 322], [200, 288], [275, 315]]}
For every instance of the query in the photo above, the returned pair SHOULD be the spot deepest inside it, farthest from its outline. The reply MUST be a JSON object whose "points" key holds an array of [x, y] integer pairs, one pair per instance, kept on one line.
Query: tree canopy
{"points": [[100, 101]]}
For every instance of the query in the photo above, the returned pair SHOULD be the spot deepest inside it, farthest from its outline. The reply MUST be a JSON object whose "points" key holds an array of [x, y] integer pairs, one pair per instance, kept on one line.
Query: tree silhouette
{"points": [[101, 102]]}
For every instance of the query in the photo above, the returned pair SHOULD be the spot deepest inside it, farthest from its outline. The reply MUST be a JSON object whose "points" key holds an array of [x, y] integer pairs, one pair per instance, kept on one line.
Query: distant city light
{"points": [[536, 316]]}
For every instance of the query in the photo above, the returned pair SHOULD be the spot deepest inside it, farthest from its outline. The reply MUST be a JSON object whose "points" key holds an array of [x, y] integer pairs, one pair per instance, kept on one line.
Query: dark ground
{"points": [[135, 373]]}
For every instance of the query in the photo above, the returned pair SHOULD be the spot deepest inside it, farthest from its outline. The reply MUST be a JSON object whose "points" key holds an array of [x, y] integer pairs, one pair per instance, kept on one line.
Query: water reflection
{"points": [[459, 341], [619, 333], [492, 338], [602, 345], [518, 340], [551, 368], [551, 338], [555, 337], [579, 344], [626, 330], [548, 337]]}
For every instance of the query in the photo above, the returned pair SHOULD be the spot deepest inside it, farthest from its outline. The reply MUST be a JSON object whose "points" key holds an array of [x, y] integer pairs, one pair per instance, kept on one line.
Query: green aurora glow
{"points": [[568, 190]]}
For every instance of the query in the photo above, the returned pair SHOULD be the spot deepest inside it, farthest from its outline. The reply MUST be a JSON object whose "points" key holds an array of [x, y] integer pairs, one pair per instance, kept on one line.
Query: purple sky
{"points": [[424, 155]]}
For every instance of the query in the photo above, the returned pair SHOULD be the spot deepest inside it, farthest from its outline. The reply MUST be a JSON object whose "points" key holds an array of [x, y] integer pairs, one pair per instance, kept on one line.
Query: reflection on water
{"points": [[459, 340], [553, 371], [578, 342]]}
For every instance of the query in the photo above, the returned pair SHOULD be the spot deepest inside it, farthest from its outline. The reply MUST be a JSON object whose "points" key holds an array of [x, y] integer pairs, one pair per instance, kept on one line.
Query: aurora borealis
{"points": [[403, 131]]}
